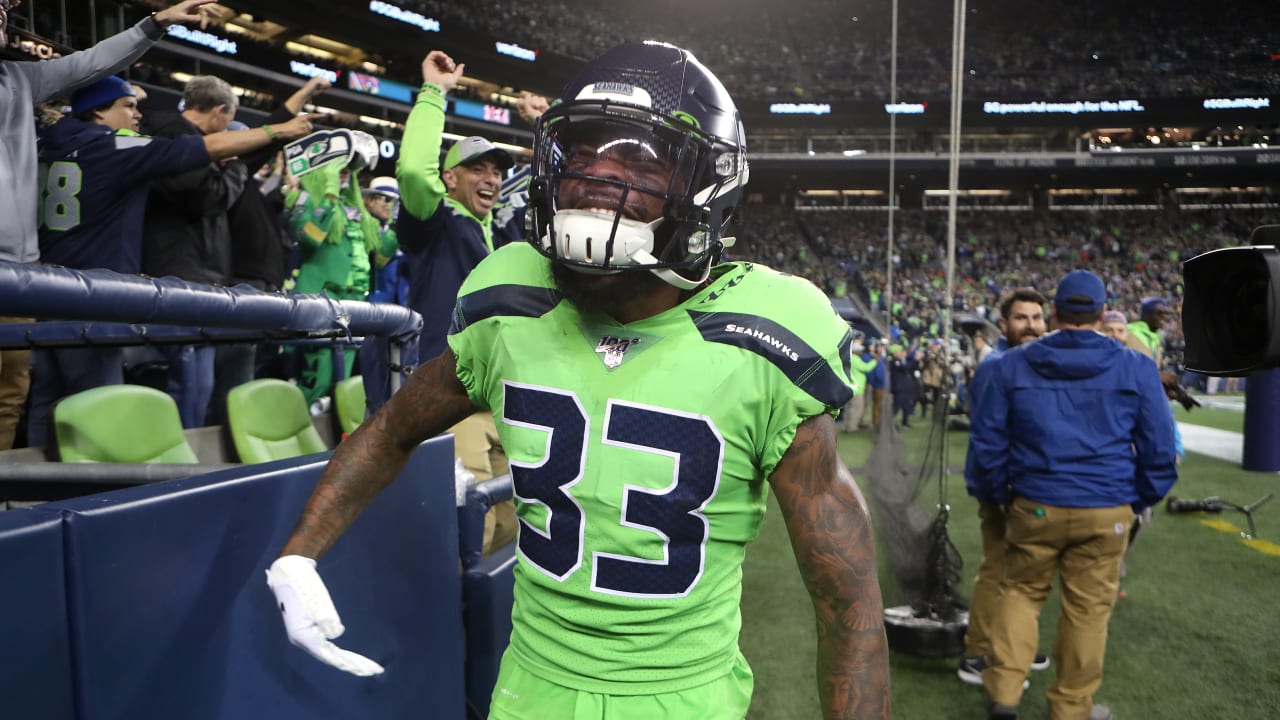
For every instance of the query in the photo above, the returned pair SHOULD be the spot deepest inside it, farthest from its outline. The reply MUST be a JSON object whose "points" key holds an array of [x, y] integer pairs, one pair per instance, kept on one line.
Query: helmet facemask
{"points": [[620, 187]]}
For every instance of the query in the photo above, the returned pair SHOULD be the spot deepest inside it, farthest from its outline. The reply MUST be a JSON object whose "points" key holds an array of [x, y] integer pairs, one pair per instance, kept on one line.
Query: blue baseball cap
{"points": [[1154, 304], [105, 91], [1080, 291]]}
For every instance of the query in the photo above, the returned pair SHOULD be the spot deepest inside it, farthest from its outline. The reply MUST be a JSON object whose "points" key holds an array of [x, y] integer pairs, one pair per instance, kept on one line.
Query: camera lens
{"points": [[1245, 324]]}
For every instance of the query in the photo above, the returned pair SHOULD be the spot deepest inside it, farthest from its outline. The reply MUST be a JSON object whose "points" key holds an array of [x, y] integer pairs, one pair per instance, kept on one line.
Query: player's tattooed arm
{"points": [[432, 401], [831, 535]]}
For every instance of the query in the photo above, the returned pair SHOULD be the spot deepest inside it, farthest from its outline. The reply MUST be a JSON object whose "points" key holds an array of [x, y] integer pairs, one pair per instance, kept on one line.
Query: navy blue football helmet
{"points": [[672, 138]]}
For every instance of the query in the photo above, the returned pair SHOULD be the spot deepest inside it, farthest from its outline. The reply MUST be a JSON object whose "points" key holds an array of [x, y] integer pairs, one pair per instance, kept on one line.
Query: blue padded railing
{"points": [[104, 307], [488, 592], [480, 497], [151, 602]]}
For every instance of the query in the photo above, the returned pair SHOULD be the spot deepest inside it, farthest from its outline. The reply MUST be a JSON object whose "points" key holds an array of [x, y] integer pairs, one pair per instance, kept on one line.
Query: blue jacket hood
{"points": [[1073, 419], [1071, 354], [68, 135]]}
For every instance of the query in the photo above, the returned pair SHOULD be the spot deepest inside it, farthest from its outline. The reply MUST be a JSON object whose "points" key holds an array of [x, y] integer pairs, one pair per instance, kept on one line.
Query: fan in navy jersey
{"points": [[94, 174]]}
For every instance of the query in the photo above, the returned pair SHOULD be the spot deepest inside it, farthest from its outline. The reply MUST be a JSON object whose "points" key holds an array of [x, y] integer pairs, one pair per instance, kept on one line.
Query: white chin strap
{"points": [[583, 236]]}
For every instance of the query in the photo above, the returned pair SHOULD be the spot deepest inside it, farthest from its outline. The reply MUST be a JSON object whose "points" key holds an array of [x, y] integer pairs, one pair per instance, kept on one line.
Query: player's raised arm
{"points": [[363, 464], [831, 536]]}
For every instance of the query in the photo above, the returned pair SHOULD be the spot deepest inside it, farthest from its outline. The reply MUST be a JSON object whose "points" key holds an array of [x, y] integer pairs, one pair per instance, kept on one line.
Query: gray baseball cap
{"points": [[470, 149]]}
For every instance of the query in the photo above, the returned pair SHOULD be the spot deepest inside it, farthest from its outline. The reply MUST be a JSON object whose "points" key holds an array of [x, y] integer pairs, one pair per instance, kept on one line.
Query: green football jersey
{"points": [[639, 455]]}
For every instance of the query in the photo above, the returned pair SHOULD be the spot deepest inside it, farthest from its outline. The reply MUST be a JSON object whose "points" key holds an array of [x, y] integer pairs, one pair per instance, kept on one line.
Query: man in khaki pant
{"points": [[1021, 321], [856, 409], [15, 379], [476, 444], [1072, 434], [1085, 546]]}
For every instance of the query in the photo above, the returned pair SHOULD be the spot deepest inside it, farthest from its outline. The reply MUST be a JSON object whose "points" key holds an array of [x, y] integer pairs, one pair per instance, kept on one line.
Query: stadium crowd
{"points": [[193, 194], [822, 51], [1014, 50], [843, 251], [1137, 252]]}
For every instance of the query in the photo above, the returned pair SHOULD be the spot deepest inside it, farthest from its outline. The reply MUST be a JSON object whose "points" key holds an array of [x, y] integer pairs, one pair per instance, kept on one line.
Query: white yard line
{"points": [[1221, 444]]}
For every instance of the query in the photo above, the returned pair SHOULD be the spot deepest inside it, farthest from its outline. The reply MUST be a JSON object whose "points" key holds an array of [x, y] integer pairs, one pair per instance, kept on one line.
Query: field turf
{"points": [[1197, 635]]}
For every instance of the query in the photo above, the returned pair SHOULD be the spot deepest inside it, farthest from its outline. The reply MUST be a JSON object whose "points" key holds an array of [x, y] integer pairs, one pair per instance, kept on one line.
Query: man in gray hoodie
{"points": [[23, 85]]}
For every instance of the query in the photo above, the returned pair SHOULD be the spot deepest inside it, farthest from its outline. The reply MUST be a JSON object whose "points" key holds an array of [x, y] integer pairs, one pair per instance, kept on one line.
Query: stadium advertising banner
{"points": [[997, 112], [1204, 158], [409, 17], [400, 92], [196, 36], [1239, 158], [380, 87], [22, 45], [261, 55], [515, 51], [310, 70], [1216, 167], [480, 111]]}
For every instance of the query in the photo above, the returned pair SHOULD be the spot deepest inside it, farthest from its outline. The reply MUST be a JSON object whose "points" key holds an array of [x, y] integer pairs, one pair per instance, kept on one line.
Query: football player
{"points": [[648, 397]]}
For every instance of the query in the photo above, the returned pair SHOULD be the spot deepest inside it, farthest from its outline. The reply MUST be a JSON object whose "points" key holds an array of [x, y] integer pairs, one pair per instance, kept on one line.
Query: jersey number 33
{"points": [[674, 513]]}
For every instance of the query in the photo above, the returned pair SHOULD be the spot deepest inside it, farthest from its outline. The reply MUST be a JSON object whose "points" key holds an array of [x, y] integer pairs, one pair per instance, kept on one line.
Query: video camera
{"points": [[1229, 314]]}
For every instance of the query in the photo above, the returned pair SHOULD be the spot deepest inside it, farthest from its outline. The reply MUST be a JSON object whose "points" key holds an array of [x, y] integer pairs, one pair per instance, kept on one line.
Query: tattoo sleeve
{"points": [[432, 401], [831, 535]]}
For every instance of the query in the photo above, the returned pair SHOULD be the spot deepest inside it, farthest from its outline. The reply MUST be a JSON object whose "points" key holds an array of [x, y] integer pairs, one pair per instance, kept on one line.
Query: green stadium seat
{"points": [[349, 402], [121, 424], [269, 420]]}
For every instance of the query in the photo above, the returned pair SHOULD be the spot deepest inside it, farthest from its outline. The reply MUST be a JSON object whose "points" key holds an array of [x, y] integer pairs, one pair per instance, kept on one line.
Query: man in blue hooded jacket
{"points": [[1073, 435]]}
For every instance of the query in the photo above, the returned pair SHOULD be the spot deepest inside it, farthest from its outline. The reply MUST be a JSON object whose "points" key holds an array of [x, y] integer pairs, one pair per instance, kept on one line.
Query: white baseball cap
{"points": [[383, 185]]}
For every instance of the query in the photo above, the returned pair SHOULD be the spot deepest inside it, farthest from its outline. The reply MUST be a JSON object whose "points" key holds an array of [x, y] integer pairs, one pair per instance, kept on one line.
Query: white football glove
{"points": [[309, 615]]}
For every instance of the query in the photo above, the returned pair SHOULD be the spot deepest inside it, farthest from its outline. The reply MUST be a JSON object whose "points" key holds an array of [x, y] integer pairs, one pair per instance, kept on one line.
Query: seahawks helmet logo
{"points": [[618, 92], [615, 88]]}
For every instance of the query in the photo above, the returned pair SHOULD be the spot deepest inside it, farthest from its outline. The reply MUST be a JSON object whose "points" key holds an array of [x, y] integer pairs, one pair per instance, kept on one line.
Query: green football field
{"points": [[1197, 636]]}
